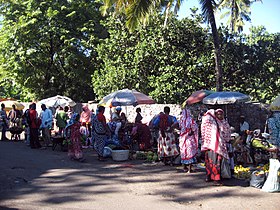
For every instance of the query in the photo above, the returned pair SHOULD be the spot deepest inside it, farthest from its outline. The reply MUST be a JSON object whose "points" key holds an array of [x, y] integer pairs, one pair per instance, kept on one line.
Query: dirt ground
{"points": [[46, 179]]}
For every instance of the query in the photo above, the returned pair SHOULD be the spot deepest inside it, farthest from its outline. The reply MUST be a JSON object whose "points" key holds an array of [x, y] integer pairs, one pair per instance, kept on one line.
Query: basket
{"points": [[16, 130], [120, 155]]}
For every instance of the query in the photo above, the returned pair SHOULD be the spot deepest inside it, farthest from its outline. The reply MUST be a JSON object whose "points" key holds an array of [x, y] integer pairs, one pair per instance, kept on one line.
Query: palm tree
{"points": [[138, 11], [238, 11]]}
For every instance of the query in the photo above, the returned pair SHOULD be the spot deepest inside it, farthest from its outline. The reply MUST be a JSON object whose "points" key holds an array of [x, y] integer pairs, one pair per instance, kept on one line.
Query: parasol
{"points": [[9, 103], [58, 100], [197, 96], [225, 97], [126, 97]]}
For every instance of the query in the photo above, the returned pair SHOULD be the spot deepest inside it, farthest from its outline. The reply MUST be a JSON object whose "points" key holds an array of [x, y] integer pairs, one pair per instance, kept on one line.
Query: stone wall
{"points": [[255, 113]]}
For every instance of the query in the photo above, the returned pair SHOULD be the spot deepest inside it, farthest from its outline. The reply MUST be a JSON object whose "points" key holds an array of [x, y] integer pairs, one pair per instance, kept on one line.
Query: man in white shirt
{"points": [[243, 124], [47, 119]]}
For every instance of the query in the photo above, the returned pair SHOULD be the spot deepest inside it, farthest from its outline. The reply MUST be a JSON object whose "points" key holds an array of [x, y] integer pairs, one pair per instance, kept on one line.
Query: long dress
{"points": [[74, 146], [215, 134], [99, 133], [166, 141], [188, 141]]}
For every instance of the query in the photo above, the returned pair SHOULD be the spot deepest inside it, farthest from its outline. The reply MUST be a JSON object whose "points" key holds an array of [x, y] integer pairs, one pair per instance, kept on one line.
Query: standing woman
{"points": [[100, 131], [188, 140], [273, 124], [34, 127], [72, 131], [167, 148], [215, 133]]}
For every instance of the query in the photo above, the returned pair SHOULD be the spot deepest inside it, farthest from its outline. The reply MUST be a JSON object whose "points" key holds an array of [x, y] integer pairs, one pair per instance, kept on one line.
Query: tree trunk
{"points": [[217, 52]]}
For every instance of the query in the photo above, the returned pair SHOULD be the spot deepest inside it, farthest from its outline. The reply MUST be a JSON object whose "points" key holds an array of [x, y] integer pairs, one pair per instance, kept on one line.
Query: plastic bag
{"points": [[107, 152], [257, 179], [225, 169]]}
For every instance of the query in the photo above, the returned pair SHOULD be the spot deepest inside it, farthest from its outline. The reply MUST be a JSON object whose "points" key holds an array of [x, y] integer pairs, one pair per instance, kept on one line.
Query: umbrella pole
{"points": [[226, 111]]}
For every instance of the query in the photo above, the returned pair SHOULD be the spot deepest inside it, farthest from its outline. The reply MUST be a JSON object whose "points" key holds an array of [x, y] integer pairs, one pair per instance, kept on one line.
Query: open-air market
{"points": [[117, 104], [200, 143]]}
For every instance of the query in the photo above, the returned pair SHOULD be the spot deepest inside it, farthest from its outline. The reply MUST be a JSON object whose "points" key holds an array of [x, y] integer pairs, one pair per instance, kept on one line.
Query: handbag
{"points": [[225, 169]]}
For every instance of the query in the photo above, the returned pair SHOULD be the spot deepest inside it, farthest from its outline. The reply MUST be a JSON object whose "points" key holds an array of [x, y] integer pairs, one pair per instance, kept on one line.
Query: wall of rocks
{"points": [[255, 113]]}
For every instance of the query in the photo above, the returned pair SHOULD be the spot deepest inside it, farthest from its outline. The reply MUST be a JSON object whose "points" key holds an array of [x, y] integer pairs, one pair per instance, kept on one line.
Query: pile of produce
{"points": [[241, 172], [148, 156]]}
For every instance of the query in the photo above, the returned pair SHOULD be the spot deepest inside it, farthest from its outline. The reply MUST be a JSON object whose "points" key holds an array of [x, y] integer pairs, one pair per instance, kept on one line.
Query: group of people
{"points": [[12, 120], [221, 145]]}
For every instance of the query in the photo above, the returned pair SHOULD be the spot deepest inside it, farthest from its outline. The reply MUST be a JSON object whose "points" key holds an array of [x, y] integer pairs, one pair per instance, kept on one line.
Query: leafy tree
{"points": [[138, 12], [166, 63], [48, 47], [252, 64]]}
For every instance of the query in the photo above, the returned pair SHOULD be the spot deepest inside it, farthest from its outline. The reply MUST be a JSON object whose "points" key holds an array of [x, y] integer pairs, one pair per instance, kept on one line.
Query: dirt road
{"points": [[46, 179]]}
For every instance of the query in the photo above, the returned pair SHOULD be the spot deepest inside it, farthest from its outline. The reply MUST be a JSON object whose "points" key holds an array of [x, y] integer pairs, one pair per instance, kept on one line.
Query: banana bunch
{"points": [[264, 168], [241, 172]]}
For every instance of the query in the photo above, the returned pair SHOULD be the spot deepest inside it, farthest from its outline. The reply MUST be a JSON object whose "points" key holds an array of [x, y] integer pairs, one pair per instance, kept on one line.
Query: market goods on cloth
{"points": [[275, 105], [126, 97], [225, 97], [10, 103], [58, 100], [197, 96]]}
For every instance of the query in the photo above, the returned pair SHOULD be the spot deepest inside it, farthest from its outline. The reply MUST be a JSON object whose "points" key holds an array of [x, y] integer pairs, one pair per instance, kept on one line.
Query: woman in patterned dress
{"points": [[72, 131], [167, 148], [215, 133], [100, 132], [188, 141]]}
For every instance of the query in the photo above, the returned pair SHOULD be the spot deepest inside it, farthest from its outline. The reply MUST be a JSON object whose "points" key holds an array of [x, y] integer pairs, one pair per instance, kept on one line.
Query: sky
{"points": [[266, 14]]}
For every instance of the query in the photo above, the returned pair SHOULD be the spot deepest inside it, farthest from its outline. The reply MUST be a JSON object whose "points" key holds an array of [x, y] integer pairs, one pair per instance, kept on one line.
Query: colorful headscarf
{"points": [[186, 121], [74, 119], [85, 115]]}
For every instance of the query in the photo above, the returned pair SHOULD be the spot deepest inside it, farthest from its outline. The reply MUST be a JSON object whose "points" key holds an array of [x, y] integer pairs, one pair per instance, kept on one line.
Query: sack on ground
{"points": [[257, 179]]}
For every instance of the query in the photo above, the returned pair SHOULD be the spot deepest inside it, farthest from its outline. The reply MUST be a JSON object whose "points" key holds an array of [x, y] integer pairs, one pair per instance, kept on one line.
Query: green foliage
{"points": [[252, 63], [164, 62], [48, 47]]}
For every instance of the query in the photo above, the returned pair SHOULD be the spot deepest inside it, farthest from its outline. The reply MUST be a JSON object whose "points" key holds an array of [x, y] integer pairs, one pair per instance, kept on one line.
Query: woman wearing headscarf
{"points": [[167, 148], [100, 132], [72, 131], [215, 133], [273, 124], [188, 140], [85, 121]]}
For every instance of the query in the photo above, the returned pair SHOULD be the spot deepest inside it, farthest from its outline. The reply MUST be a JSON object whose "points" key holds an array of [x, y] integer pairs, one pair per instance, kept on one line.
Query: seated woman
{"points": [[142, 135], [241, 151], [262, 149]]}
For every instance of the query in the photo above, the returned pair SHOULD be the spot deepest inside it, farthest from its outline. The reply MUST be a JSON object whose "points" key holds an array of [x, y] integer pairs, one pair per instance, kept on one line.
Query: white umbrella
{"points": [[58, 100], [126, 97], [225, 97]]}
